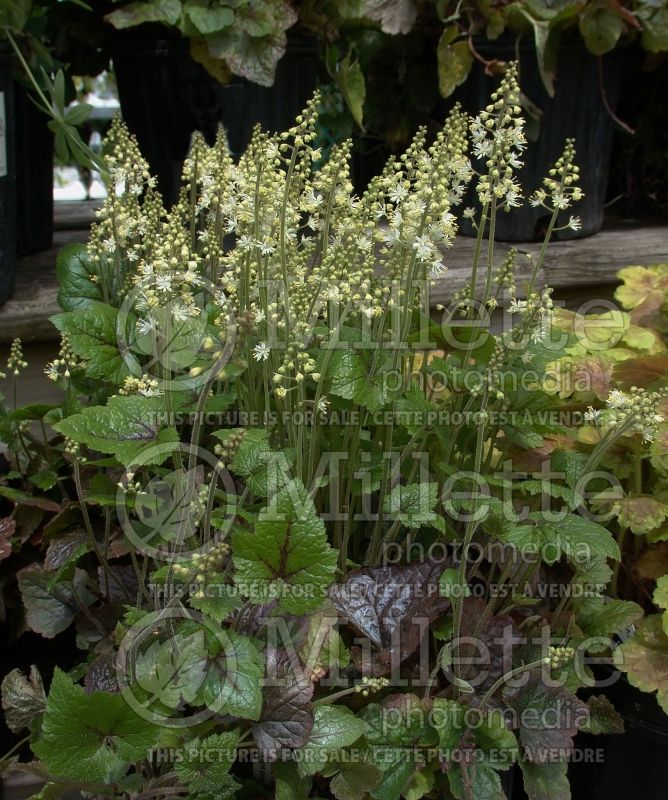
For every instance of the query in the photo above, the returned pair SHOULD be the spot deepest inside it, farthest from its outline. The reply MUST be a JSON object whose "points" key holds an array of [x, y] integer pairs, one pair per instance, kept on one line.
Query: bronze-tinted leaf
{"points": [[641, 371], [287, 713], [7, 529], [548, 717], [101, 675], [392, 606]]}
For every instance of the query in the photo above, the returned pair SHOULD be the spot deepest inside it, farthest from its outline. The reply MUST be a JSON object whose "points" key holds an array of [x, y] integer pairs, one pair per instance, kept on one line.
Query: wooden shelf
{"points": [[581, 267]]}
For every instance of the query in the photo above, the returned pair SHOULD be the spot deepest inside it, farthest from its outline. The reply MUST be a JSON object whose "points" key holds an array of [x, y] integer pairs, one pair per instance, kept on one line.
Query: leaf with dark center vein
{"points": [[129, 427], [287, 555], [93, 737]]}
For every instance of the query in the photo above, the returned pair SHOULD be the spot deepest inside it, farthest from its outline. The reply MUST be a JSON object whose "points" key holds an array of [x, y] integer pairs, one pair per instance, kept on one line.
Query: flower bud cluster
{"points": [[16, 362], [368, 685], [227, 451], [560, 656]]}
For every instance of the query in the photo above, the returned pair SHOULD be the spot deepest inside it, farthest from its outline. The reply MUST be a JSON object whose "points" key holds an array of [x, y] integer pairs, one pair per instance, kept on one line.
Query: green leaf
{"points": [[449, 584], [413, 505], [128, 427], [640, 513], [290, 785], [660, 598], [495, 741], [600, 27], [333, 727], [254, 58], [232, 684], [78, 113], [23, 699], [346, 372], [263, 17], [90, 737], [395, 727], [483, 778], [546, 781], [448, 716], [597, 616], [51, 608], [577, 538], [93, 337], [351, 82], [44, 479], [207, 765], [421, 784], [603, 717], [75, 270], [287, 555], [209, 19], [454, 61], [355, 780], [166, 11], [172, 671], [655, 27], [263, 468], [394, 16], [218, 601], [644, 658]]}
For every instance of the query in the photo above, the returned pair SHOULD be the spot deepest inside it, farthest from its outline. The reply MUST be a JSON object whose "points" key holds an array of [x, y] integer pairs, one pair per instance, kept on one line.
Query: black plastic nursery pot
{"points": [[165, 96], [627, 765], [7, 176], [584, 84], [34, 176]]}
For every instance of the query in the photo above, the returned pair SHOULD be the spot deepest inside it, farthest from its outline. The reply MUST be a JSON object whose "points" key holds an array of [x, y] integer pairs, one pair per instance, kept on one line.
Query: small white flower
{"points": [[517, 306], [438, 269], [146, 325], [192, 278], [592, 415], [163, 283], [574, 223], [151, 391], [617, 399], [261, 351], [398, 194], [648, 434], [423, 247], [180, 313]]}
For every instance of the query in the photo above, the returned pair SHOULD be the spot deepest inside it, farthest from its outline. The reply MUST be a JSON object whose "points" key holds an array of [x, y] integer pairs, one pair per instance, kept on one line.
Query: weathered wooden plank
{"points": [[589, 262], [74, 214], [27, 313], [586, 265]]}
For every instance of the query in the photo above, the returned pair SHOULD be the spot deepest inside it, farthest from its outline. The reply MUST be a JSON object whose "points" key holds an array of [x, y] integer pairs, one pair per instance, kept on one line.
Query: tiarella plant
{"points": [[627, 347], [308, 535]]}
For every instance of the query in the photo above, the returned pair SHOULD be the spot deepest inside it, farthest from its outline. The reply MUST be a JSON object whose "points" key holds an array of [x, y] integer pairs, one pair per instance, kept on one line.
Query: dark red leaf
{"points": [[287, 713], [392, 606]]}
